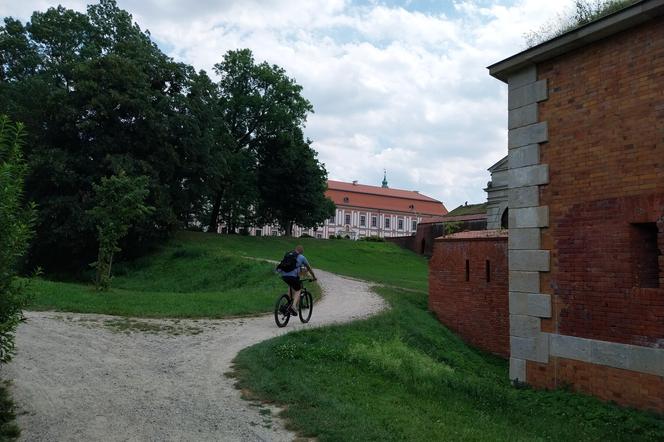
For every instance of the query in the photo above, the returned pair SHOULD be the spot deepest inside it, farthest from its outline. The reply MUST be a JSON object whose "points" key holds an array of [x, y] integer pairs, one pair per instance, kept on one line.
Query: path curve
{"points": [[74, 378]]}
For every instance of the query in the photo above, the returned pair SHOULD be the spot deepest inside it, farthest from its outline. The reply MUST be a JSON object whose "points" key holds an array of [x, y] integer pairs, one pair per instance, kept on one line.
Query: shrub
{"points": [[16, 221]]}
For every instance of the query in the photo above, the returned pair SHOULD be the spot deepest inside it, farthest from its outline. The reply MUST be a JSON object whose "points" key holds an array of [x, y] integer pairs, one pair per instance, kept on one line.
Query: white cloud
{"points": [[392, 87]]}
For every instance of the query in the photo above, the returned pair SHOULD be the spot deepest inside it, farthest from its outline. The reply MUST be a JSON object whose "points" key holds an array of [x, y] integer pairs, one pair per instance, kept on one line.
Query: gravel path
{"points": [[81, 377]]}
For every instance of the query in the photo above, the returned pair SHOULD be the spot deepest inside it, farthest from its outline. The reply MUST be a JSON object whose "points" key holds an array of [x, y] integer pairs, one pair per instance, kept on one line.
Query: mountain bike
{"points": [[305, 307]]}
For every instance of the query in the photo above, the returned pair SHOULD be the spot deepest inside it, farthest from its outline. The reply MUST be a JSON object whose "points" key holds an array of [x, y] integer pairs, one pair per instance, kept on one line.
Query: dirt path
{"points": [[76, 377]]}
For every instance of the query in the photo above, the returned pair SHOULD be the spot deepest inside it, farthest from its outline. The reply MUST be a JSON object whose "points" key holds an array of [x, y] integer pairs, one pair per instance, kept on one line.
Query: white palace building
{"points": [[364, 211]]}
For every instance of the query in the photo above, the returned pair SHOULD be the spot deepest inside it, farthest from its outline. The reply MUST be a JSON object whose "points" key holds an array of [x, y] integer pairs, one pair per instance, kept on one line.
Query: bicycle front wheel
{"points": [[305, 306], [281, 310]]}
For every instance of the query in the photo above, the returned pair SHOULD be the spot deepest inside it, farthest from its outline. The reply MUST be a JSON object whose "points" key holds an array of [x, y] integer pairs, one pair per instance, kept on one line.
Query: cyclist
{"points": [[292, 278]]}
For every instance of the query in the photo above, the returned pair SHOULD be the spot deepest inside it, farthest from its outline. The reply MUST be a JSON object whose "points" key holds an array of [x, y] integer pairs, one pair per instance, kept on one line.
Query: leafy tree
{"points": [[16, 220], [584, 12], [292, 184], [259, 102], [119, 203], [97, 95]]}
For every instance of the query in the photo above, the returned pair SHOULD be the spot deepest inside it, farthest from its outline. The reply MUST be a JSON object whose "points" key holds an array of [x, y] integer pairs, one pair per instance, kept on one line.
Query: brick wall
{"points": [[464, 300], [423, 240], [605, 153]]}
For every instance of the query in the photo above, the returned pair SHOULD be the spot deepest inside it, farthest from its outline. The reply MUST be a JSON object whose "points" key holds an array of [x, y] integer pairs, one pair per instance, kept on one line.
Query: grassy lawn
{"points": [[432, 386], [199, 275], [381, 262], [185, 279]]}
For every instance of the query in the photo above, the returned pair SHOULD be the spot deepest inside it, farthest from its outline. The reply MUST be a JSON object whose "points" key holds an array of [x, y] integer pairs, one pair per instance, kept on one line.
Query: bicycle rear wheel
{"points": [[281, 310], [305, 306]]}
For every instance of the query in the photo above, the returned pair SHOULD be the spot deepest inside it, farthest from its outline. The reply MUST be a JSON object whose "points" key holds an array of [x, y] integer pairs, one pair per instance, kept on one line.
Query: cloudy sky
{"points": [[396, 85]]}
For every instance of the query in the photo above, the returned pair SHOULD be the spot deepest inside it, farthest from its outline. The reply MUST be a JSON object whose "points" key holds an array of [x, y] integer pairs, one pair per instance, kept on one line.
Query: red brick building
{"points": [[586, 208], [468, 287]]}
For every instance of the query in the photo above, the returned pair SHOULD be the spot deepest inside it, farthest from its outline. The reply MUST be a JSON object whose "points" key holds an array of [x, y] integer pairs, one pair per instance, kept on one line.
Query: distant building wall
{"points": [[468, 288], [497, 196]]}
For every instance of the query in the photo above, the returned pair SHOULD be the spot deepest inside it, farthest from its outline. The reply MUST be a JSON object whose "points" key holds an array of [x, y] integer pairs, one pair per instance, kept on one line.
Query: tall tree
{"points": [[292, 184], [258, 101], [98, 96]]}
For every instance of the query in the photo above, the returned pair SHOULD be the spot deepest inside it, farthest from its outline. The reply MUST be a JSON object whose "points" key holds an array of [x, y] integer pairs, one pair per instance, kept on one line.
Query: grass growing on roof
{"points": [[403, 376]]}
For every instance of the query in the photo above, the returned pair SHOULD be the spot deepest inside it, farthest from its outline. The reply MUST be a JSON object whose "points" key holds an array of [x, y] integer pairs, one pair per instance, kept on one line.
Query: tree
{"points": [[119, 203], [16, 220], [259, 102], [292, 184], [97, 95], [584, 12]]}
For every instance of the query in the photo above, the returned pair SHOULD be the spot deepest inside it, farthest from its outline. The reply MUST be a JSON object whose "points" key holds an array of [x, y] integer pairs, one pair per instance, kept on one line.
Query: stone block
{"points": [[539, 304], [524, 239], [523, 197], [532, 349], [517, 370], [570, 347], [524, 326], [518, 303], [525, 135], [529, 176], [528, 282], [522, 116], [523, 77], [527, 94], [609, 353], [529, 260], [523, 156], [529, 217], [647, 360]]}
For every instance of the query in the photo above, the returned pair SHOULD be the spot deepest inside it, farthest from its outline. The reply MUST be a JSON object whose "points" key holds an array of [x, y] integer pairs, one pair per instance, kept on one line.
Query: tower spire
{"points": [[384, 179]]}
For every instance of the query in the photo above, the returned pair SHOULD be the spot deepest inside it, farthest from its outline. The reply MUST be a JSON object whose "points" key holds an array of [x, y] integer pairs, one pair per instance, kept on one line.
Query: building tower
{"points": [[384, 179]]}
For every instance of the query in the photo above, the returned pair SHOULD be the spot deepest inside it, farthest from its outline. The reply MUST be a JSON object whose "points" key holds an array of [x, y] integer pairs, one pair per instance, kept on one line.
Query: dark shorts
{"points": [[293, 282]]}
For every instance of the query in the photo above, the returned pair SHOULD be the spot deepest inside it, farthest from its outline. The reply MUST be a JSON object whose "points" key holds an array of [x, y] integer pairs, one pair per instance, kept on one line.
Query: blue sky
{"points": [[396, 85]]}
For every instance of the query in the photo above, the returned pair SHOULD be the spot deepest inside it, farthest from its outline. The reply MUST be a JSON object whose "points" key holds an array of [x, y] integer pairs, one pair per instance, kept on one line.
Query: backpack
{"points": [[289, 263]]}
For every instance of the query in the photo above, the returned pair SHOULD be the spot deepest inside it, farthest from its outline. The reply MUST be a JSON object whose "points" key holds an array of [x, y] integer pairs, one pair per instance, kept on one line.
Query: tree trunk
{"points": [[214, 216]]}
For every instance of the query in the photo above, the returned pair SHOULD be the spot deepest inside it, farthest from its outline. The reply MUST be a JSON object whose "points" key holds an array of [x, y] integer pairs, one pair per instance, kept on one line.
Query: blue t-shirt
{"points": [[301, 260]]}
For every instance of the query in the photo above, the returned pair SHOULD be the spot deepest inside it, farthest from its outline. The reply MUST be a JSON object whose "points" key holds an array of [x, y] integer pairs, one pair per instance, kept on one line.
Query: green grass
{"points": [[403, 376], [185, 279], [381, 262]]}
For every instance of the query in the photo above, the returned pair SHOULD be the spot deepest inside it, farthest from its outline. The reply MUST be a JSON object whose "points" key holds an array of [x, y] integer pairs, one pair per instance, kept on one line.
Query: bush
{"points": [[16, 221], [373, 238]]}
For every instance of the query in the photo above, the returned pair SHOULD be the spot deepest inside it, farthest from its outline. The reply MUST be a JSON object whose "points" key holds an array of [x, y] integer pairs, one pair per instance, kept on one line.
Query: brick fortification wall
{"points": [[605, 198], [472, 301]]}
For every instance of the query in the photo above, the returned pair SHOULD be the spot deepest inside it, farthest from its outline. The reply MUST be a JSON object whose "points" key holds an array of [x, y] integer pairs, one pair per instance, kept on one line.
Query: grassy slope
{"points": [[186, 278], [432, 386], [385, 263]]}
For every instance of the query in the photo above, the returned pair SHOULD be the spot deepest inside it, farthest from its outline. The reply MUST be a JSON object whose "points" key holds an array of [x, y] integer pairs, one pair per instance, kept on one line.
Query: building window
{"points": [[274, 233], [374, 221], [414, 226], [645, 255], [363, 220], [319, 235], [387, 223], [348, 218], [259, 232], [345, 199], [400, 224], [332, 219]]}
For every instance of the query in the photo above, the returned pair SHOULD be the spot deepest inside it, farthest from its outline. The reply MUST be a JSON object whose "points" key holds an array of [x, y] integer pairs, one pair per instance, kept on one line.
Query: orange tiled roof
{"points": [[379, 198]]}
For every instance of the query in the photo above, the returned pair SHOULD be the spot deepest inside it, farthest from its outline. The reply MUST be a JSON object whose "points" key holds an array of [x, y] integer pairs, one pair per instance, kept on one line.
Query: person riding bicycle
{"points": [[292, 277]]}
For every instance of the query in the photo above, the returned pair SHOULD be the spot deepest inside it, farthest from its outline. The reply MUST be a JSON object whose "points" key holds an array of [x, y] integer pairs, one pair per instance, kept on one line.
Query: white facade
{"points": [[354, 223]]}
